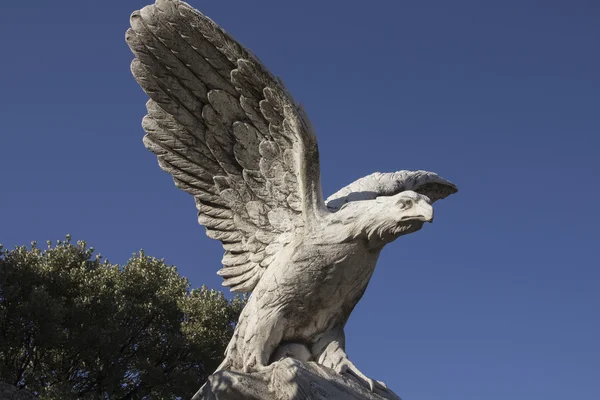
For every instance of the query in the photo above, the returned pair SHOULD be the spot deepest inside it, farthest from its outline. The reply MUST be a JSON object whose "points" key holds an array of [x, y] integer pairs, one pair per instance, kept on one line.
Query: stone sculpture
{"points": [[232, 136]]}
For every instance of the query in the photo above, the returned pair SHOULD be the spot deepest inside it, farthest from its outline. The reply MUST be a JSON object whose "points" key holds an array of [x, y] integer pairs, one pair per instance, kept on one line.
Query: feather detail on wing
{"points": [[391, 183], [228, 133]]}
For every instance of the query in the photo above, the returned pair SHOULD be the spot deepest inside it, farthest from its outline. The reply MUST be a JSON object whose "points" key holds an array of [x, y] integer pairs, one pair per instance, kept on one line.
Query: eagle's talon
{"points": [[347, 367], [374, 385]]}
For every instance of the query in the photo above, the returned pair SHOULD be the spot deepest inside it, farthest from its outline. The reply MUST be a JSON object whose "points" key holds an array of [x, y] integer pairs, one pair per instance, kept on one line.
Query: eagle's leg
{"points": [[329, 350], [260, 340]]}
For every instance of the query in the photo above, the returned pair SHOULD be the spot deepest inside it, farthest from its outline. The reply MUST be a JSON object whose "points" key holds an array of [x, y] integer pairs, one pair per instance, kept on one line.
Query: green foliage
{"points": [[73, 326]]}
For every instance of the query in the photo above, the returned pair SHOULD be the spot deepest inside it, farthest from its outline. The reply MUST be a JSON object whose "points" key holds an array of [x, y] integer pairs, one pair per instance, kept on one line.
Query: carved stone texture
{"points": [[232, 136], [288, 379]]}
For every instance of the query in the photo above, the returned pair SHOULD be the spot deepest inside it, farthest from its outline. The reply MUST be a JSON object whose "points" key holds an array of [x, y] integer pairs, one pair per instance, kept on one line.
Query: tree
{"points": [[74, 326]]}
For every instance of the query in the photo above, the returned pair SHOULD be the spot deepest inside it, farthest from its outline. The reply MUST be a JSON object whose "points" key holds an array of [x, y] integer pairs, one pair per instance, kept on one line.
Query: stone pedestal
{"points": [[288, 379]]}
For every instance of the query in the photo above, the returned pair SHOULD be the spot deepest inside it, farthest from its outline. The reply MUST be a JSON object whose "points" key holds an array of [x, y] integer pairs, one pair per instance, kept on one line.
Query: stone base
{"points": [[288, 379]]}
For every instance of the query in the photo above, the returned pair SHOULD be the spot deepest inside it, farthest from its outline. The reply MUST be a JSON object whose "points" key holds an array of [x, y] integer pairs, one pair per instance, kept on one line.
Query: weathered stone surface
{"points": [[232, 136], [288, 379]]}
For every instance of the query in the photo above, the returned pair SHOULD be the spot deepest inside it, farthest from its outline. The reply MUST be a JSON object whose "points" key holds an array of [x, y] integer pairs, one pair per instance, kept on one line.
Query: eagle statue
{"points": [[231, 135]]}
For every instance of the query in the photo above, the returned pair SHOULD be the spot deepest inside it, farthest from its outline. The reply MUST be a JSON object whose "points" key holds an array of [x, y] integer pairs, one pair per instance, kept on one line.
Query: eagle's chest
{"points": [[324, 283], [337, 270]]}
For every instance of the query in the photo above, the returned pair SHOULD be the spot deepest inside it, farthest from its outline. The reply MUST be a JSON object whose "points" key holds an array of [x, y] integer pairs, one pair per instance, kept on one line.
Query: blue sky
{"points": [[499, 298]]}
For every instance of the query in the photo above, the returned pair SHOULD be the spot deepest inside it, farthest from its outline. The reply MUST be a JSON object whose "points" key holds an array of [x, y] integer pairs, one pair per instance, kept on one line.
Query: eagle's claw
{"points": [[347, 367], [335, 357]]}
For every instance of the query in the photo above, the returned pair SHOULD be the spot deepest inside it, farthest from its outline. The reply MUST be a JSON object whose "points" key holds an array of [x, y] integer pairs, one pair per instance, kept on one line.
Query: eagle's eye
{"points": [[406, 203]]}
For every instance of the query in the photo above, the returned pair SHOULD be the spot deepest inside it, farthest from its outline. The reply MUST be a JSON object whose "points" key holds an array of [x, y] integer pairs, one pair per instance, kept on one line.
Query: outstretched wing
{"points": [[228, 132], [391, 183]]}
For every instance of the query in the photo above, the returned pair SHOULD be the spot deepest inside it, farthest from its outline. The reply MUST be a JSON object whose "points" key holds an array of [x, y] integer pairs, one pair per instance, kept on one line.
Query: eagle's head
{"points": [[388, 217], [380, 220]]}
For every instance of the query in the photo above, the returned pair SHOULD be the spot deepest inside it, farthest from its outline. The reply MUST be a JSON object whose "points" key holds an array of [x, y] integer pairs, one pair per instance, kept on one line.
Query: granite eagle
{"points": [[231, 135]]}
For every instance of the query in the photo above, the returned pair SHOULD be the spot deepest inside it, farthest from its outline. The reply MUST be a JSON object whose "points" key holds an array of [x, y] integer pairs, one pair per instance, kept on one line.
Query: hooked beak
{"points": [[422, 211], [426, 211]]}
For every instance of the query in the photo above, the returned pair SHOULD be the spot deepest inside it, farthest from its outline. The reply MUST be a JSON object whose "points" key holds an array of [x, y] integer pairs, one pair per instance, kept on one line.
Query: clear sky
{"points": [[498, 298]]}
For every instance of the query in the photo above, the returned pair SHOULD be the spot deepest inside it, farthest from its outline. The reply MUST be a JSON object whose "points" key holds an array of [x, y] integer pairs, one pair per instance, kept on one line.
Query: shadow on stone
{"points": [[288, 379]]}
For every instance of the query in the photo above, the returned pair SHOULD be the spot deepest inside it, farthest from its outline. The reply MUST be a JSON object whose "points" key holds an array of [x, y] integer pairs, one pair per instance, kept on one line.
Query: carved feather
{"points": [[229, 134], [391, 183]]}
